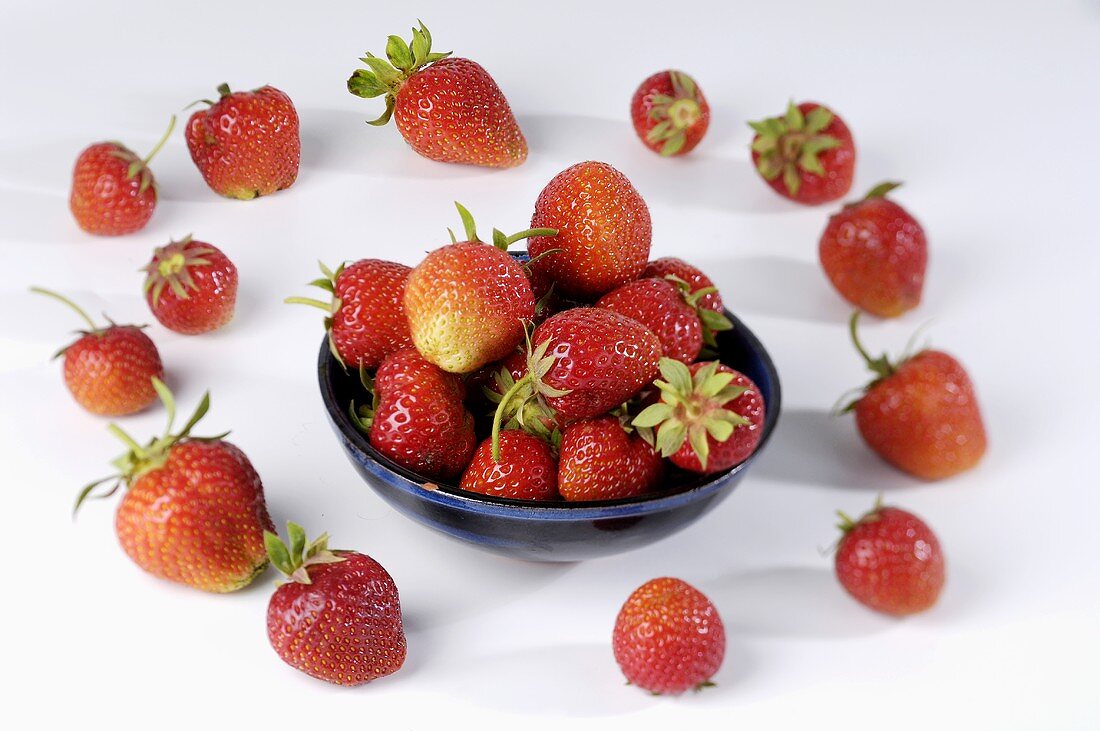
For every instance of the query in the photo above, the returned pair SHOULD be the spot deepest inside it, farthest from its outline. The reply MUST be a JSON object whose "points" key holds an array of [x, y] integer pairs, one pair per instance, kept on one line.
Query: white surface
{"points": [[986, 111]]}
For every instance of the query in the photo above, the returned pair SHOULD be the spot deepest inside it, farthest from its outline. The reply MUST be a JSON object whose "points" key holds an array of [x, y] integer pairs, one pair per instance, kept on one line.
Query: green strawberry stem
{"points": [[498, 415], [500, 240], [159, 145], [327, 283], [72, 305], [881, 366], [846, 523], [223, 90], [295, 558], [880, 190]]}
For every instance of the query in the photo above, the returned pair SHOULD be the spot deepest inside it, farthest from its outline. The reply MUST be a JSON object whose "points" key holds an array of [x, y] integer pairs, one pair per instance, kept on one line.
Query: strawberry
{"points": [[806, 155], [109, 370], [447, 109], [247, 143], [710, 417], [417, 417], [467, 302], [525, 409], [668, 637], [114, 191], [600, 460], [191, 286], [526, 469], [920, 415], [671, 266], [366, 318], [670, 312], [890, 561], [875, 254], [338, 617], [670, 113], [194, 510], [604, 231]]}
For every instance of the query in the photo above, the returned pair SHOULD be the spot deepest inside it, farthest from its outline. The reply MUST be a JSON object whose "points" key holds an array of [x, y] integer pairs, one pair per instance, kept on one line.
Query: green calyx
{"points": [[171, 267], [712, 322], [789, 144], [845, 523], [93, 329], [137, 166], [500, 239], [363, 416], [525, 408], [692, 408], [386, 78], [330, 308], [294, 558], [674, 114], [139, 459], [524, 401]]}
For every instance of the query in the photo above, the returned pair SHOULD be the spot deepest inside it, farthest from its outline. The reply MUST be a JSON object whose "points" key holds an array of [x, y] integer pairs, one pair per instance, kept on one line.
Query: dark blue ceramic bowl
{"points": [[550, 531]]}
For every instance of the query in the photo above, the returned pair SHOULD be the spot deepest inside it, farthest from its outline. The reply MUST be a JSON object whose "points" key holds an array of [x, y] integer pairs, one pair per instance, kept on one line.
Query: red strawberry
{"points": [[447, 109], [194, 510], [890, 561], [806, 155], [191, 286], [920, 415], [338, 618], [467, 302], [526, 469], [696, 279], [668, 637], [670, 313], [670, 113], [604, 230], [114, 191], [418, 418], [599, 460], [247, 143], [366, 316], [710, 417], [109, 370], [875, 254]]}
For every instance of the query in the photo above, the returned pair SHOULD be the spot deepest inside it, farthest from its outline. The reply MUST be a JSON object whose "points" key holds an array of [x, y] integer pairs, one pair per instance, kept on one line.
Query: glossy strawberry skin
{"points": [[453, 111], [744, 440], [891, 562], [668, 637], [602, 359], [657, 304], [604, 231], [421, 422], [526, 470], [466, 305], [925, 418], [875, 254], [599, 460], [344, 627], [209, 305], [198, 519], [371, 322], [247, 144], [641, 104], [105, 200], [672, 266], [110, 372], [839, 164]]}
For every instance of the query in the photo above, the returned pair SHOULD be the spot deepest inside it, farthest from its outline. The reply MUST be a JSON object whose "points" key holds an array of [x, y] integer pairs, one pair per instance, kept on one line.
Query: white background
{"points": [[987, 111]]}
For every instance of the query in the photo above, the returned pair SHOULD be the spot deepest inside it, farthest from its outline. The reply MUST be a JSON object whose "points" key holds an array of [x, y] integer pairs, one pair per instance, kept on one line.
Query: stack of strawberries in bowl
{"points": [[573, 400]]}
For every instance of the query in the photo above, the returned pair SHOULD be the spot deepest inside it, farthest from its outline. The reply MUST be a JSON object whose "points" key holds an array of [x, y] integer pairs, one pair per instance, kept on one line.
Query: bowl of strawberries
{"points": [[570, 401]]}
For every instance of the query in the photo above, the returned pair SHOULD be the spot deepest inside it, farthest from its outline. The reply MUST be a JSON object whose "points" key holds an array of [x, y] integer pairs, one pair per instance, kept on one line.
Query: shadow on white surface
{"points": [[782, 287], [813, 447]]}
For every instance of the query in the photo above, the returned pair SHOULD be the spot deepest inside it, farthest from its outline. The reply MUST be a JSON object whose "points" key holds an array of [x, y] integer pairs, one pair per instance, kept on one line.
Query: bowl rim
{"points": [[455, 497]]}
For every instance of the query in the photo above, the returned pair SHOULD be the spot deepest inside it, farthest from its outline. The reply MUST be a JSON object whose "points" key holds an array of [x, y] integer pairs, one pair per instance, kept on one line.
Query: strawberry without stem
{"points": [[669, 638], [921, 414], [890, 561], [600, 459], [875, 254], [114, 191], [604, 231], [366, 318], [109, 370], [806, 155], [247, 144], [191, 286], [194, 510], [447, 109], [338, 618], [670, 113]]}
